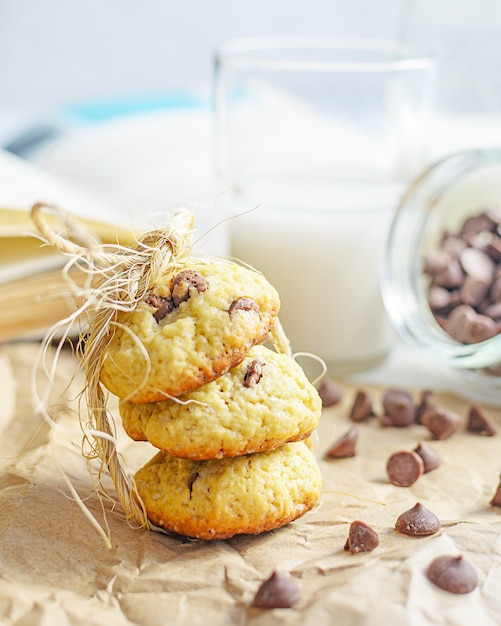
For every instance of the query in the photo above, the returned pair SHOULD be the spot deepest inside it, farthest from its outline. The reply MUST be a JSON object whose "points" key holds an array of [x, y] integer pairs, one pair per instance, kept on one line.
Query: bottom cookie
{"points": [[219, 498]]}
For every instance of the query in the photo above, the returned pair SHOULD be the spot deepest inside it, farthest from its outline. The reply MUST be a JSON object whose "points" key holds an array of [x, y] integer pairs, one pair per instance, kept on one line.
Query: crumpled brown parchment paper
{"points": [[55, 569]]}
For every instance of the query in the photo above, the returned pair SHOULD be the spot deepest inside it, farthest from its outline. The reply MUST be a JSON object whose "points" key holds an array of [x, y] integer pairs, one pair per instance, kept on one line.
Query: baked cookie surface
{"points": [[220, 498], [196, 323], [263, 402]]}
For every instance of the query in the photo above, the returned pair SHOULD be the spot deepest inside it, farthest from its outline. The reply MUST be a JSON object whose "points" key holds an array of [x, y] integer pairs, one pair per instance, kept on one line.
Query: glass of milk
{"points": [[316, 138]]}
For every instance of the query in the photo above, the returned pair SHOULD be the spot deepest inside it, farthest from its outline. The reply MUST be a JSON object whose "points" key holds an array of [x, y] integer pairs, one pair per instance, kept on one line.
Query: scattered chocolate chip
{"points": [[243, 304], [418, 521], [404, 468], [329, 392], [163, 306], [184, 283], [496, 498], [398, 408], [345, 446], [362, 406], [279, 591], [254, 373], [479, 422], [431, 459], [361, 538], [453, 574], [441, 423], [425, 403]]}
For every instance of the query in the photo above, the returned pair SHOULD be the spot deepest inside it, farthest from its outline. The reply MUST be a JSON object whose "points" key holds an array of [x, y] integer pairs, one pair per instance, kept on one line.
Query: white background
{"points": [[68, 50]]}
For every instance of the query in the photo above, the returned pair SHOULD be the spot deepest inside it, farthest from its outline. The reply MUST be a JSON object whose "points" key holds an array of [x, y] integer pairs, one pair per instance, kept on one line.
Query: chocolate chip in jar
{"points": [[279, 591], [475, 224], [398, 408], [464, 279], [361, 538], [467, 326], [344, 446], [477, 264], [404, 468], [453, 574], [418, 522], [451, 277]]}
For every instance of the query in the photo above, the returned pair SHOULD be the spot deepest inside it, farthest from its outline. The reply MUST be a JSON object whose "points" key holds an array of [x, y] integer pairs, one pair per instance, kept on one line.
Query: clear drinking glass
{"points": [[315, 139]]}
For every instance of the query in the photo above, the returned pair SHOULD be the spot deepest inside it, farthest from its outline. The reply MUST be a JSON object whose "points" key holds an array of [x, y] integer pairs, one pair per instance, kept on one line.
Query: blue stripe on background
{"points": [[100, 110]]}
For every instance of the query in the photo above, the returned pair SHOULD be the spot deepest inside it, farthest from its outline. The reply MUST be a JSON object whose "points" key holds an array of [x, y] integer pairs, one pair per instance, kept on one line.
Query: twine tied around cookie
{"points": [[116, 278]]}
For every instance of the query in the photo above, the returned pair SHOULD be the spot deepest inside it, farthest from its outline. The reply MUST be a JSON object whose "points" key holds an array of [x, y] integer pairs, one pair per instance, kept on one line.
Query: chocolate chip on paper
{"points": [[362, 407], [441, 423], [279, 591], [398, 408], [330, 393], [404, 468], [431, 458], [425, 402], [344, 446], [361, 538], [453, 574], [479, 422], [418, 522], [496, 498]]}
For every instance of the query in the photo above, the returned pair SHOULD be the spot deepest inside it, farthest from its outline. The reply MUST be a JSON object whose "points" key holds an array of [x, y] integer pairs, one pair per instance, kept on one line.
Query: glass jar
{"points": [[458, 186]]}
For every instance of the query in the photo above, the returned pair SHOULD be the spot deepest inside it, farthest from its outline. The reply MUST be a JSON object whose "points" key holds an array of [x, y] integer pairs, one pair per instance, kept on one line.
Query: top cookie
{"points": [[196, 323]]}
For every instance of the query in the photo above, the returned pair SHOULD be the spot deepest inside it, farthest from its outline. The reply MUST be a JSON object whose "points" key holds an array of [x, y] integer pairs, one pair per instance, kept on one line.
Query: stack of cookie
{"points": [[228, 414]]}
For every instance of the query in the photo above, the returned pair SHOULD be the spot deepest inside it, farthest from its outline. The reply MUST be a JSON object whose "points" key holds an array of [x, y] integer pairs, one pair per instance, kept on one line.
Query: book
{"points": [[33, 291]]}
